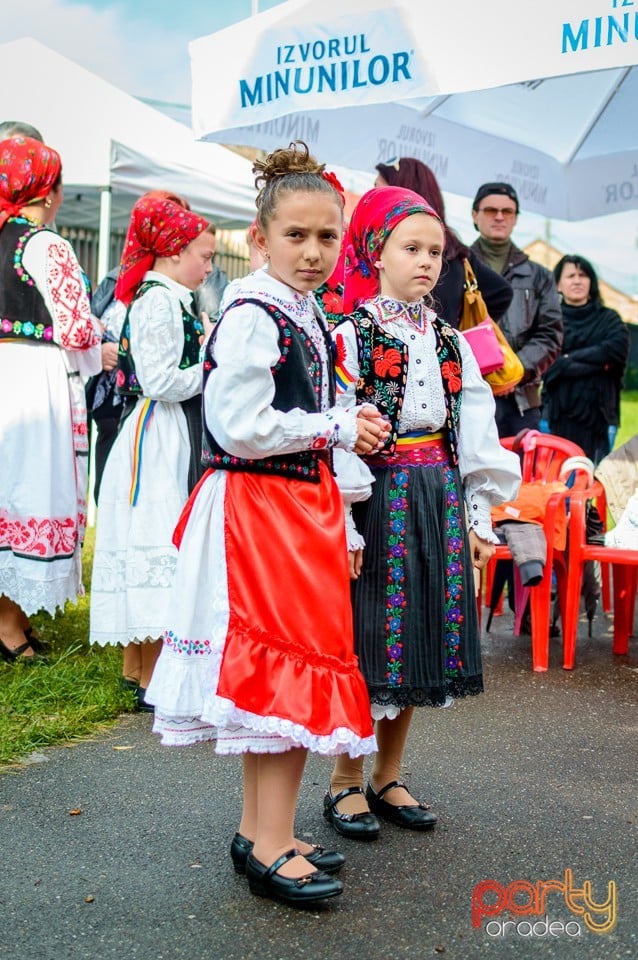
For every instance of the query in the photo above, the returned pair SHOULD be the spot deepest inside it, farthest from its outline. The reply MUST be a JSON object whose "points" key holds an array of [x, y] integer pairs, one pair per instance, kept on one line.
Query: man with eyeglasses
{"points": [[533, 322]]}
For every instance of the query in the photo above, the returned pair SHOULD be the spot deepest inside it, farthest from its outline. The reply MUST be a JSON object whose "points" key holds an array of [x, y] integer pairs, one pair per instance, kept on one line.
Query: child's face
{"points": [[302, 240], [411, 259], [195, 261]]}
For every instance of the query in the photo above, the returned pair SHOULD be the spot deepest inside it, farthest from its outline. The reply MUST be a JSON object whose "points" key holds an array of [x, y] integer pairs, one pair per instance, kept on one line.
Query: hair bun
{"points": [[296, 158]]}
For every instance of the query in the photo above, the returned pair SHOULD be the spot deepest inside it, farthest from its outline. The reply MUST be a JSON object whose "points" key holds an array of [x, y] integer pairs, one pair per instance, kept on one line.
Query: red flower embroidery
{"points": [[388, 363], [341, 349], [49, 538], [451, 371], [332, 302]]}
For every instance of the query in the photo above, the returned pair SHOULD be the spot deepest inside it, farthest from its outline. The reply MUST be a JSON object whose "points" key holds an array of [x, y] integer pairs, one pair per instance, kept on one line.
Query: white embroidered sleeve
{"points": [[50, 260], [490, 473], [157, 342], [240, 391], [354, 477]]}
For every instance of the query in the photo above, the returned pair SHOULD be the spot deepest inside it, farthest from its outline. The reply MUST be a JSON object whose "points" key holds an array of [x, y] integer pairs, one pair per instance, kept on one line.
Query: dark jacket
{"points": [[448, 292], [583, 386], [533, 323]]}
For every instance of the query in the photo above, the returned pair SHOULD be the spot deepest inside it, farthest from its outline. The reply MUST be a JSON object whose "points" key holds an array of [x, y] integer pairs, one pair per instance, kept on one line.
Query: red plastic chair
{"points": [[543, 456], [624, 565]]}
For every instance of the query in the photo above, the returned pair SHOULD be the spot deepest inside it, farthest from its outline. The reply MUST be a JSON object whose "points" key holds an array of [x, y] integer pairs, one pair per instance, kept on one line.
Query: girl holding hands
{"points": [[415, 615], [259, 651]]}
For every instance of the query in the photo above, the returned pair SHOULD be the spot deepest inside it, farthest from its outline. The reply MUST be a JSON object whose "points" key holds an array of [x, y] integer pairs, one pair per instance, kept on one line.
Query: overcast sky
{"points": [[141, 46]]}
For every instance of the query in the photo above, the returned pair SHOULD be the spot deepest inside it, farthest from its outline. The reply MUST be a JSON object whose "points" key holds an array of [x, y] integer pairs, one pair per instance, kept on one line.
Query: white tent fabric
{"points": [[112, 145], [546, 101], [209, 181]]}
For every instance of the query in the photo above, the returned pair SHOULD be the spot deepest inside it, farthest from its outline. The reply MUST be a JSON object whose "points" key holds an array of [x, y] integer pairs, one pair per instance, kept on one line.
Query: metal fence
{"points": [[232, 251]]}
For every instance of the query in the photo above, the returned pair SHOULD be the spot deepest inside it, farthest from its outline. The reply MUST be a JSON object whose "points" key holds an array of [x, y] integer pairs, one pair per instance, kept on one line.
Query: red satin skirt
{"points": [[289, 651]]}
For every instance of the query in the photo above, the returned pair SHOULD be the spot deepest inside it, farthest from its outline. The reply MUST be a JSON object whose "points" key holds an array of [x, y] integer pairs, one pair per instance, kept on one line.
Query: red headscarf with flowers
{"points": [[158, 228], [374, 218], [28, 170]]}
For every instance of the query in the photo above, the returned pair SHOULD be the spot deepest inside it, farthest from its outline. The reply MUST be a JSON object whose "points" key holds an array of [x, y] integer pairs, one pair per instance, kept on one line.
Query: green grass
{"points": [[72, 695], [77, 692], [628, 417]]}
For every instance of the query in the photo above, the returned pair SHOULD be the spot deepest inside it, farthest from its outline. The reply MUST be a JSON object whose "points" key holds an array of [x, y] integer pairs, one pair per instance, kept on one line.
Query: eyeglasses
{"points": [[506, 212]]}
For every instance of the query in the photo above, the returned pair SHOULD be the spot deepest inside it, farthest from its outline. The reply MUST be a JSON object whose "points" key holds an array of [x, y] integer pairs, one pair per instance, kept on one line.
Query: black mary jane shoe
{"points": [[296, 892], [412, 818], [354, 826], [327, 860], [17, 653]]}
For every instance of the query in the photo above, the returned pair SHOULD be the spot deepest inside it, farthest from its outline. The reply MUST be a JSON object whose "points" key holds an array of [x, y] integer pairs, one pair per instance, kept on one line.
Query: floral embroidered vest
{"points": [[127, 382], [23, 313], [383, 362], [298, 385]]}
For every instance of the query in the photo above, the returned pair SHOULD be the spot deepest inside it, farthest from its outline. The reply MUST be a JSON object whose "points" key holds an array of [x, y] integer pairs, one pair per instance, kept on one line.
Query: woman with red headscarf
{"points": [[48, 340], [415, 618], [155, 460]]}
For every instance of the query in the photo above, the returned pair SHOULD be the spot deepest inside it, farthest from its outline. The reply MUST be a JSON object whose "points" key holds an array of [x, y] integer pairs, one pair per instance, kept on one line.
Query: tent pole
{"points": [[104, 238]]}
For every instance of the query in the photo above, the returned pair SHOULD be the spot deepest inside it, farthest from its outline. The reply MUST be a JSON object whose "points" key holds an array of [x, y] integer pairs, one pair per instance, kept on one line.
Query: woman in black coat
{"points": [[581, 390], [448, 293]]}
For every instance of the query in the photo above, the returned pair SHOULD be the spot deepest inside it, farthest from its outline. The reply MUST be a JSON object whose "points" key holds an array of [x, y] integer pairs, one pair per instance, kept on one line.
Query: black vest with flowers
{"points": [[383, 374], [127, 382], [298, 385], [23, 312]]}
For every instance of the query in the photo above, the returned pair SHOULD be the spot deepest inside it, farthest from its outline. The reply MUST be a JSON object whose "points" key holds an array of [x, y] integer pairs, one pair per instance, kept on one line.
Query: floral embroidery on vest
{"points": [[303, 465], [383, 365]]}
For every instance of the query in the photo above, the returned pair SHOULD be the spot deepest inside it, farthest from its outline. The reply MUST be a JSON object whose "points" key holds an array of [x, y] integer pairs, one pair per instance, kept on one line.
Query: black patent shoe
{"points": [[327, 860], [412, 818], [354, 826], [32, 643], [296, 892]]}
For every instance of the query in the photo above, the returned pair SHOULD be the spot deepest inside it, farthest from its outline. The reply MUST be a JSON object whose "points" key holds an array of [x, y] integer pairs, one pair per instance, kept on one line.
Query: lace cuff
{"points": [[353, 538]]}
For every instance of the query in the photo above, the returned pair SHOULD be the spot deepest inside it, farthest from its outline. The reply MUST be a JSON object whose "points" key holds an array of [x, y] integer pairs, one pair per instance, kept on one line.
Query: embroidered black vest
{"points": [[23, 312], [383, 362], [127, 382], [298, 385]]}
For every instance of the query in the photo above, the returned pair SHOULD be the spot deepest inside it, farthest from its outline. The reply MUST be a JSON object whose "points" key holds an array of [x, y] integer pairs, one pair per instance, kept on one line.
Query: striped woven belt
{"points": [[417, 438]]}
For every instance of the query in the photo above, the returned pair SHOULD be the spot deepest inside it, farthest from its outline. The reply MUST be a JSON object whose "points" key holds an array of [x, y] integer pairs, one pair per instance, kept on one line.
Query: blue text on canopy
{"points": [[338, 64]]}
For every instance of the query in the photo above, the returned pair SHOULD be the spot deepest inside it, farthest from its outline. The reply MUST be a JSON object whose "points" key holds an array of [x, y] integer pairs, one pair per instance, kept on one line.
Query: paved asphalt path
{"points": [[533, 779]]}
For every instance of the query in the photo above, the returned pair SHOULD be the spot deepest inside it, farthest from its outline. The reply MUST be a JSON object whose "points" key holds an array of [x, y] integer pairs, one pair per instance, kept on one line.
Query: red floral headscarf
{"points": [[158, 228], [374, 218], [28, 170]]}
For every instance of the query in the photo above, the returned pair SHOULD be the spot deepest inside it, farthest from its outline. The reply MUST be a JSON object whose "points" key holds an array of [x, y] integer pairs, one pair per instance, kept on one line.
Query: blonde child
{"points": [[416, 629], [259, 650]]}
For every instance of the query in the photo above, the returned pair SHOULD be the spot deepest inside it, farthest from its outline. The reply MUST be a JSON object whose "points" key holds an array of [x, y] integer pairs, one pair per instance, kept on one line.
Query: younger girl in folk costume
{"points": [[416, 629], [48, 341], [154, 461], [259, 650]]}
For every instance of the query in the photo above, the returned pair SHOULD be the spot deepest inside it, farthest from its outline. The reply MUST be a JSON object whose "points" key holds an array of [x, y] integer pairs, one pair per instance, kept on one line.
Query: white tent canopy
{"points": [[114, 148], [547, 101]]}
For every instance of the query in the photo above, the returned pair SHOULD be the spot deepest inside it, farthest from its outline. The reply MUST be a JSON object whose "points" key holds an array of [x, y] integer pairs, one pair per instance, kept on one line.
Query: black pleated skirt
{"points": [[415, 614]]}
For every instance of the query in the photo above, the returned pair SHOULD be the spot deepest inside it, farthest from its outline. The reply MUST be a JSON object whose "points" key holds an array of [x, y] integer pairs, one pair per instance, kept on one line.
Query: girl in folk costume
{"points": [[48, 340], [259, 650], [155, 460], [416, 629]]}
